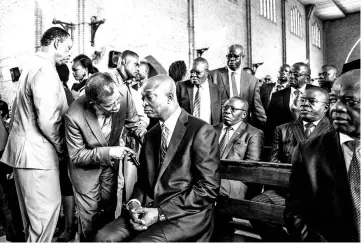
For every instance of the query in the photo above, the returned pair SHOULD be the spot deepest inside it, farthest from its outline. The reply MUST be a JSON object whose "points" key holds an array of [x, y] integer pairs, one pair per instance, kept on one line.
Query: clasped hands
{"points": [[142, 218]]}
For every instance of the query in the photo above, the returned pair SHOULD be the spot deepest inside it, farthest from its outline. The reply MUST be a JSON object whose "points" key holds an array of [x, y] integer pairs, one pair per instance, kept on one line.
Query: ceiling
{"points": [[333, 9]]}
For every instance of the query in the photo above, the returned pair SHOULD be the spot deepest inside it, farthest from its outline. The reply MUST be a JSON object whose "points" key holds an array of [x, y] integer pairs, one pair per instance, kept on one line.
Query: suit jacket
{"points": [[279, 112], [245, 144], [185, 99], [87, 146], [265, 94], [36, 131], [319, 206], [249, 91], [186, 185], [288, 135]]}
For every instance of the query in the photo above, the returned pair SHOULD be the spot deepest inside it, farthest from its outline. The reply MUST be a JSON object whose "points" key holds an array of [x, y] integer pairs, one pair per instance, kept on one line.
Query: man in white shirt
{"points": [[324, 199], [199, 96]]}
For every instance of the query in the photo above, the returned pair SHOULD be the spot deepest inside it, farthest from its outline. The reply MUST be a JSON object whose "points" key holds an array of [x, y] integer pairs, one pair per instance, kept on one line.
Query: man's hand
{"points": [[148, 216], [118, 152], [135, 219]]}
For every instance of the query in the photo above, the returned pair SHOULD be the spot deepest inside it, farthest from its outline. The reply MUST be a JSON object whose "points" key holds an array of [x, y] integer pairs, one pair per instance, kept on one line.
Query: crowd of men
{"points": [[143, 151]]}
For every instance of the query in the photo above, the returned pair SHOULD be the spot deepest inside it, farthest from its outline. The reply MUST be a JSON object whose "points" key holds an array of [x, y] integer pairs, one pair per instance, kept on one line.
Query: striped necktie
{"points": [[225, 139], [354, 177], [163, 143], [197, 103], [295, 107], [308, 130]]}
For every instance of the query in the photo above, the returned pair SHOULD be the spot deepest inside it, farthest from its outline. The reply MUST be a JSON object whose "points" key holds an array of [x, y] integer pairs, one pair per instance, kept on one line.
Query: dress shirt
{"points": [[231, 132], [205, 98], [302, 89], [312, 128], [102, 119], [285, 85], [238, 80], [170, 123], [347, 153]]}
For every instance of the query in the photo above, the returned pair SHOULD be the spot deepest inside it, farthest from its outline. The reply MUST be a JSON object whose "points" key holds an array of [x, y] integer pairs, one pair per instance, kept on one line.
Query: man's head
{"points": [[267, 79], [128, 64], [199, 71], [159, 97], [299, 75], [178, 71], [345, 104], [327, 76], [284, 73], [57, 43], [313, 104], [234, 57], [103, 94], [234, 110], [143, 71]]}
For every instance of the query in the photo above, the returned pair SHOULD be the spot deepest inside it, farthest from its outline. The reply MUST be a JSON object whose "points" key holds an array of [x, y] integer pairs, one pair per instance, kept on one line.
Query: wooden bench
{"points": [[265, 173]]}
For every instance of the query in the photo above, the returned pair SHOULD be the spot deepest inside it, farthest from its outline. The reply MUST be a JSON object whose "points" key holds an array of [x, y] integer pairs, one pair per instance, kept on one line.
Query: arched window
{"points": [[316, 35], [296, 22], [268, 9]]}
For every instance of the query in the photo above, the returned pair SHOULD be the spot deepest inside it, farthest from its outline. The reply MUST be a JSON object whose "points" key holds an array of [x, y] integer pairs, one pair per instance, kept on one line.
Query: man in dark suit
{"points": [[324, 199], [313, 122], [238, 140], [178, 179], [199, 96], [94, 124], [267, 89], [236, 82], [283, 107]]}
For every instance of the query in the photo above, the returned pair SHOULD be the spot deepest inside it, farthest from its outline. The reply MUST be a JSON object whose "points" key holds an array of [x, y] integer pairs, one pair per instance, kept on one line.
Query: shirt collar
{"points": [[171, 122], [235, 126], [315, 122], [302, 89], [238, 71], [345, 138]]}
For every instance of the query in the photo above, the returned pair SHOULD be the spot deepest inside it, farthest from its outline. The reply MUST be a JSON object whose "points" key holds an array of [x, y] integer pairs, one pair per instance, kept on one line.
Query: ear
{"points": [[244, 115], [56, 43]]}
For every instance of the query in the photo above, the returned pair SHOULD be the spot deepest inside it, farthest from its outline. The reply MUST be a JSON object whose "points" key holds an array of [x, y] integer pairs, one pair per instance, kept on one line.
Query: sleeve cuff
{"points": [[130, 201]]}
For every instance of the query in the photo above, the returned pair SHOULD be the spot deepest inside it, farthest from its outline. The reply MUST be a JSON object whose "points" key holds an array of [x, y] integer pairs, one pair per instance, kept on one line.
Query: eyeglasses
{"points": [[233, 109], [230, 56], [111, 106], [346, 100], [267, 79], [297, 75], [312, 101]]}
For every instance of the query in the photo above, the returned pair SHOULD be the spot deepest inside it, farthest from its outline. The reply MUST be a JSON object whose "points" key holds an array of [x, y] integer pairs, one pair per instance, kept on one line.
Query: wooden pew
{"points": [[264, 173]]}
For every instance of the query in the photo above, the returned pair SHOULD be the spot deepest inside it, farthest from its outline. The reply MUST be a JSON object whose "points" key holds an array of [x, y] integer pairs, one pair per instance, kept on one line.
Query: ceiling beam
{"points": [[342, 9]]}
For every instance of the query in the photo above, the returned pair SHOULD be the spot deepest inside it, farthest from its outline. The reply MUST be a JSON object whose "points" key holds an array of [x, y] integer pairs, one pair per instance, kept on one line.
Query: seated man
{"points": [[178, 179], [312, 123], [237, 140]]}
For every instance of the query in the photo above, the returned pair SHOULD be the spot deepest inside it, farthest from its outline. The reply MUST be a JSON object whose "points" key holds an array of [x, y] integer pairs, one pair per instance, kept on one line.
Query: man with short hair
{"points": [[127, 68], [284, 105], [199, 96], [236, 82], [143, 73], [324, 199], [267, 89], [238, 141], [94, 124], [327, 77], [36, 138], [178, 180]]}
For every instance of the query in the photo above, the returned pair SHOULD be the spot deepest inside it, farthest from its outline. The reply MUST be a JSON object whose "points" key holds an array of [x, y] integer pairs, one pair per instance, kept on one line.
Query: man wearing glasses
{"points": [[324, 199], [94, 124], [199, 96], [237, 82], [284, 105]]}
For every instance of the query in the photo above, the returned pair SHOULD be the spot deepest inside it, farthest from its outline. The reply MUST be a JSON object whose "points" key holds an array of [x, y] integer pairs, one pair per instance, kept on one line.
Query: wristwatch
{"points": [[161, 215]]}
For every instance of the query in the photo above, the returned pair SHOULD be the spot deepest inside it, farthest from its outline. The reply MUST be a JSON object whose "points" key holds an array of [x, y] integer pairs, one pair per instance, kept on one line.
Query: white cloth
{"points": [[293, 96], [347, 153], [238, 80], [231, 132], [205, 98]]}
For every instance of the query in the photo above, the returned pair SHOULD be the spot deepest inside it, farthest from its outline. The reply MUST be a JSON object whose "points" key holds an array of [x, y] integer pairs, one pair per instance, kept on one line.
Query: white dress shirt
{"points": [[238, 81], [205, 104], [347, 153], [170, 123], [312, 128], [292, 97], [231, 132]]}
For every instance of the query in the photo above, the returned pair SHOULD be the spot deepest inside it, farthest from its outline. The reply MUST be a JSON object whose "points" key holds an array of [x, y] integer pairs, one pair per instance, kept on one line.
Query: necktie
{"points": [[295, 108], [163, 143], [106, 127], [234, 84], [197, 104], [279, 87], [225, 139], [354, 177], [308, 130]]}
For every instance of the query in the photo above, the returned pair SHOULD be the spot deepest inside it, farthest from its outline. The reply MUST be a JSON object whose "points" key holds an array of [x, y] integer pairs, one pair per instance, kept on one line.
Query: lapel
{"points": [[298, 131], [152, 154], [286, 100], [236, 135], [93, 123], [218, 129], [321, 127], [189, 86], [224, 76], [244, 83], [176, 139], [214, 101]]}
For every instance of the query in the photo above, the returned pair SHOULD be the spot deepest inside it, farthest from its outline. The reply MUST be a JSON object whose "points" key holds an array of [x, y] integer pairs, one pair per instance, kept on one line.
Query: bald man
{"points": [[199, 96], [178, 179], [324, 199], [327, 77], [237, 82]]}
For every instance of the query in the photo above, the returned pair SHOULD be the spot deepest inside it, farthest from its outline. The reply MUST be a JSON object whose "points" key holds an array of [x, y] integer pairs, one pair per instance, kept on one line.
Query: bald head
{"points": [[159, 97], [234, 57]]}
